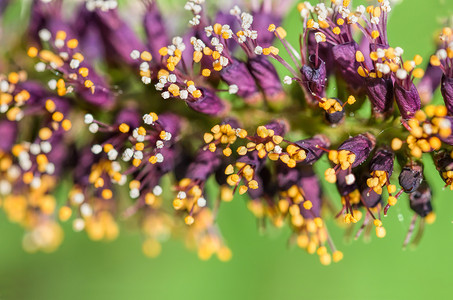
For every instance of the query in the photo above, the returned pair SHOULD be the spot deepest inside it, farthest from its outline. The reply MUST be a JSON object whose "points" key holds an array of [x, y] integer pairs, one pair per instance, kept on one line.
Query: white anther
{"points": [[93, 128], [157, 190], [96, 149], [233, 89], [88, 119], [86, 210]]}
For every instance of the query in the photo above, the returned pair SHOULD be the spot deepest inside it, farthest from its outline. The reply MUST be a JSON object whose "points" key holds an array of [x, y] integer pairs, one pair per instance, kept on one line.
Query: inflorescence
{"points": [[80, 144]]}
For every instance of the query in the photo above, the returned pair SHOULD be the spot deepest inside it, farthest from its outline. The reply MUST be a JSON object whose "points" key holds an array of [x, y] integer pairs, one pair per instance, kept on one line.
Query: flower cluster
{"points": [[100, 126]]}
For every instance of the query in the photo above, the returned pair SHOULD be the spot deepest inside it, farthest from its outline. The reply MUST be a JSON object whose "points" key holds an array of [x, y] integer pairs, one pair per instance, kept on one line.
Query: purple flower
{"points": [[383, 161], [429, 83], [8, 132], [314, 76], [380, 93], [311, 186], [410, 178], [155, 28], [205, 164], [313, 148], [360, 145], [266, 77], [209, 103], [120, 40], [446, 89], [346, 65], [236, 73], [420, 200], [408, 100]]}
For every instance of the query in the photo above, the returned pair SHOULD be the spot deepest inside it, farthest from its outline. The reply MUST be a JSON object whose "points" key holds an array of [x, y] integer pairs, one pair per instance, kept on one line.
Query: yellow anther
{"points": [[375, 34], [340, 21], [61, 35], [66, 125], [78, 56], [196, 94], [392, 201], [32, 52], [377, 223], [27, 177], [45, 133], [325, 259], [271, 27], [107, 194], [330, 175], [163, 51], [434, 60], [124, 128], [88, 83], [396, 144], [374, 56], [212, 147], [359, 56], [64, 213], [308, 205], [83, 72], [174, 89], [430, 218], [418, 73], [146, 56], [418, 59], [72, 43], [189, 220], [362, 72], [281, 32], [243, 189], [227, 152], [206, 72], [337, 256], [380, 232], [336, 30]]}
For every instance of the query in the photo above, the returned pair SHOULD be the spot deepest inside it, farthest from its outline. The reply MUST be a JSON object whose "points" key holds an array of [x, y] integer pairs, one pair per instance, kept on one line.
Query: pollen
{"points": [[271, 28], [66, 125]]}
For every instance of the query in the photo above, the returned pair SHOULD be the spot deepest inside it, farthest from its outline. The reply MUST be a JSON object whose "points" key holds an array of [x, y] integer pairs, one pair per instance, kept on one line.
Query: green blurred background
{"points": [[263, 266]]}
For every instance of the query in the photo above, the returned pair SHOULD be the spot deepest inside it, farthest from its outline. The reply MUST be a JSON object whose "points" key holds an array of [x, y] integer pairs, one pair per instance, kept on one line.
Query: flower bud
{"points": [[361, 145], [429, 83], [209, 103], [204, 164], [346, 64], [408, 100], [313, 148], [420, 200], [383, 161], [380, 93], [315, 77], [236, 73], [311, 186], [266, 76], [8, 133], [410, 178], [155, 28], [446, 88]]}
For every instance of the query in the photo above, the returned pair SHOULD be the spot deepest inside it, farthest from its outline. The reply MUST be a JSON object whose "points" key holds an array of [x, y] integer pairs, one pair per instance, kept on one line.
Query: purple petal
{"points": [[361, 145], [446, 89], [209, 103]]}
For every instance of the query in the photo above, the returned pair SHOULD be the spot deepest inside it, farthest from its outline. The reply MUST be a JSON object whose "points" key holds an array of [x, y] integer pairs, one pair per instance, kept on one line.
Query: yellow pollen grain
{"points": [[340, 21], [217, 28], [271, 28], [418, 73], [336, 30], [13, 77], [83, 72]]}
